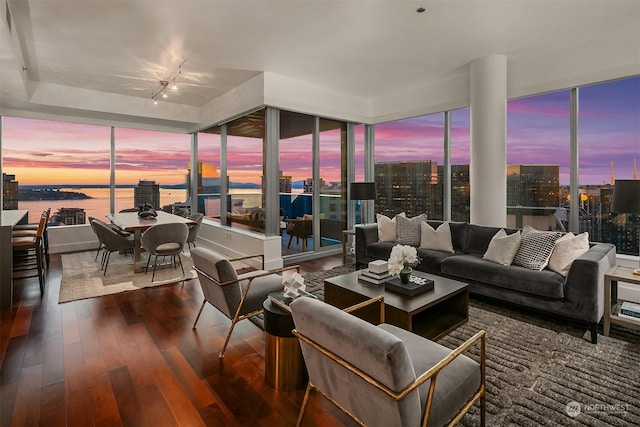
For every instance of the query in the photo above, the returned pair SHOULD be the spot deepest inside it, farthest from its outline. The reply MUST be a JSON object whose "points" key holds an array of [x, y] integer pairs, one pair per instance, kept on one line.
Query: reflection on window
{"points": [[208, 179], [245, 163], [333, 175]]}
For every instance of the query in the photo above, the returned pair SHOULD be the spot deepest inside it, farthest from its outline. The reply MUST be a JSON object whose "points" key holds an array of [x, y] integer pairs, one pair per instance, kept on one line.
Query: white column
{"points": [[488, 167]]}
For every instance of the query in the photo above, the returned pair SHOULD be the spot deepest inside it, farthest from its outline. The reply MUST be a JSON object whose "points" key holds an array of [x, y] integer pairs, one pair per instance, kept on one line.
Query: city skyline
{"points": [[537, 132]]}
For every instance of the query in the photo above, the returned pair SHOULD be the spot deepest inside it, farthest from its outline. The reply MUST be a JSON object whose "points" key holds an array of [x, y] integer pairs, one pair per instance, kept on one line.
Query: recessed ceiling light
{"points": [[420, 9]]}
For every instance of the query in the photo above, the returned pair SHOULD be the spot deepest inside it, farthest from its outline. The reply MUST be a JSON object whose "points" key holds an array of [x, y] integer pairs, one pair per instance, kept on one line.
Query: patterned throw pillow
{"points": [[408, 229], [535, 248]]}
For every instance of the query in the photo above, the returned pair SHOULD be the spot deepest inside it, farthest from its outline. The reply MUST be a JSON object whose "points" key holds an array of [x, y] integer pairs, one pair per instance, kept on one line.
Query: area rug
{"points": [[82, 277], [544, 372]]}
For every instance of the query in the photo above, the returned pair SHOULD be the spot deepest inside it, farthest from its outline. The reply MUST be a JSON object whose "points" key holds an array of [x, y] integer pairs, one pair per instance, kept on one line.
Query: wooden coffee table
{"points": [[432, 314]]}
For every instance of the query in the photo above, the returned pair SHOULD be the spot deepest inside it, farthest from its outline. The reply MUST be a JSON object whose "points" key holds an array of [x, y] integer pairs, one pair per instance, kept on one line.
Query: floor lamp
{"points": [[363, 191], [626, 199]]}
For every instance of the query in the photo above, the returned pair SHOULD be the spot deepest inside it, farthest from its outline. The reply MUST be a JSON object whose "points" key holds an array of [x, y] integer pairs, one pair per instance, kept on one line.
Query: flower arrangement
{"points": [[403, 257]]}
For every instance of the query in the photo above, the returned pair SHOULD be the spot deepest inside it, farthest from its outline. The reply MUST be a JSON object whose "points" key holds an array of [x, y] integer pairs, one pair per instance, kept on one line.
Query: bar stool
{"points": [[27, 230], [28, 252]]}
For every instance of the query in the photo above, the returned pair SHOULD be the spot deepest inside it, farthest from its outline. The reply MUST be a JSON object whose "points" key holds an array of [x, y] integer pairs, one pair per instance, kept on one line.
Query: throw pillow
{"points": [[439, 239], [408, 229], [566, 250], [387, 227], [535, 248], [503, 247]]}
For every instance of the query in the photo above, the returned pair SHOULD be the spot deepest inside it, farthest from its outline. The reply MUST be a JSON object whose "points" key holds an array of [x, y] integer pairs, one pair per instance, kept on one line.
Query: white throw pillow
{"points": [[439, 239], [566, 250], [387, 227], [503, 247]]}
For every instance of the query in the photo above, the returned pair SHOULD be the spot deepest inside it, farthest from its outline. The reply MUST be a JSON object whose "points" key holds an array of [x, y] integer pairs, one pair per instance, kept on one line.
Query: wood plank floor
{"points": [[132, 359]]}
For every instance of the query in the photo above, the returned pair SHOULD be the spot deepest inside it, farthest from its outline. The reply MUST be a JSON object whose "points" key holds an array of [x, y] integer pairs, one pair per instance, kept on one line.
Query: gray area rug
{"points": [[544, 371], [82, 277]]}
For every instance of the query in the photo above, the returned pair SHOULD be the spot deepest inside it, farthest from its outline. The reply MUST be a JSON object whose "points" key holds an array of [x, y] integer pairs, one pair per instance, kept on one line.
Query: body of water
{"points": [[98, 205]]}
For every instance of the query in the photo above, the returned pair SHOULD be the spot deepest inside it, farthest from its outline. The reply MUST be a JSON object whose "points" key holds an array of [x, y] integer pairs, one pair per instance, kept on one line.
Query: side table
{"points": [[611, 304], [345, 239], [284, 367]]}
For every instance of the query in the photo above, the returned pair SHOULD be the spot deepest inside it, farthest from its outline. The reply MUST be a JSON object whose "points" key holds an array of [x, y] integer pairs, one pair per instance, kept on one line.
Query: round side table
{"points": [[283, 363]]}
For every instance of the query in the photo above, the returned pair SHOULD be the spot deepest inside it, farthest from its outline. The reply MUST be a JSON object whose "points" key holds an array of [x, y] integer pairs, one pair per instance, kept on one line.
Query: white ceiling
{"points": [[368, 49]]}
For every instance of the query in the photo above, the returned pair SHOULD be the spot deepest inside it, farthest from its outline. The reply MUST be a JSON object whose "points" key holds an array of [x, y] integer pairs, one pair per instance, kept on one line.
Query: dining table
{"points": [[8, 219], [130, 222]]}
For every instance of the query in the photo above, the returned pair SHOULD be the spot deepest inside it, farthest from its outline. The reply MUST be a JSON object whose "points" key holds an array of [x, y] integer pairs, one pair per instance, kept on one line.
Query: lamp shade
{"points": [[626, 196], [363, 190]]}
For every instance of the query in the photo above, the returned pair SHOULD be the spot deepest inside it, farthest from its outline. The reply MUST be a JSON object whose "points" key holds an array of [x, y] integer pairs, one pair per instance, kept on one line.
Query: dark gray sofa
{"points": [[579, 296]]}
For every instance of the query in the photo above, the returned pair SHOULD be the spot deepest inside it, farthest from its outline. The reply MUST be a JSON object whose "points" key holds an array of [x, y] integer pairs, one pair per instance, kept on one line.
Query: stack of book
{"points": [[377, 273], [630, 310]]}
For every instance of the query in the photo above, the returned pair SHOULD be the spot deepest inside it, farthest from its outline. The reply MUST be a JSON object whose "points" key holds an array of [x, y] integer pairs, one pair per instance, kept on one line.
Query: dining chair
{"points": [[28, 252], [111, 241], [382, 375], [165, 240], [194, 229], [237, 296], [299, 228]]}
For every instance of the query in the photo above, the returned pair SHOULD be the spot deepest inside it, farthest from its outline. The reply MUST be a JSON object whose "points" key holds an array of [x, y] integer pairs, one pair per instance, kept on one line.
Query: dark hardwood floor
{"points": [[133, 359]]}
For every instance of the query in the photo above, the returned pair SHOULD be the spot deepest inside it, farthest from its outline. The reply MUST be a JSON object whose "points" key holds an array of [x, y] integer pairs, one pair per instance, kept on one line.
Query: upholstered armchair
{"points": [[299, 228], [111, 241], [237, 296], [384, 375], [165, 240]]}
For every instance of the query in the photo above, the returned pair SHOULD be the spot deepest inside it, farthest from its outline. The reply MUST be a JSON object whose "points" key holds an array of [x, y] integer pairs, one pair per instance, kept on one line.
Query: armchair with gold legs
{"points": [[384, 375], [237, 296]]}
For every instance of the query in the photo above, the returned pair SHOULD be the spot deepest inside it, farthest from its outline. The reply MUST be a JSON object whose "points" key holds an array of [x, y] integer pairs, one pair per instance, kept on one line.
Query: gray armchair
{"points": [[383, 375], [110, 241], [237, 296], [165, 240]]}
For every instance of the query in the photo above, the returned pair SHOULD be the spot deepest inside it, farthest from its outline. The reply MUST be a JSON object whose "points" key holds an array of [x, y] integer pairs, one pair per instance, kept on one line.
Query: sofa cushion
{"points": [[409, 229], [473, 268], [459, 232], [438, 239], [380, 250], [478, 238], [535, 248], [430, 260], [503, 247]]}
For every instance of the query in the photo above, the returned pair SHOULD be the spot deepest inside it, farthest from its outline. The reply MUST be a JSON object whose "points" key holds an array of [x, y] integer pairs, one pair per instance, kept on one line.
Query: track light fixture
{"points": [[161, 89]]}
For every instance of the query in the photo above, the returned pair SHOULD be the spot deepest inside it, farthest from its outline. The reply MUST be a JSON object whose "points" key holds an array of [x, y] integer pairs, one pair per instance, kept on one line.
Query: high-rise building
{"points": [[69, 216], [147, 192], [408, 186], [9, 192], [285, 183], [536, 186]]}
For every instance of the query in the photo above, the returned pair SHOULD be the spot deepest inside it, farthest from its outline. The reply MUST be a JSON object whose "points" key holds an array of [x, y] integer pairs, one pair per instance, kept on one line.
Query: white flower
{"points": [[402, 256]]}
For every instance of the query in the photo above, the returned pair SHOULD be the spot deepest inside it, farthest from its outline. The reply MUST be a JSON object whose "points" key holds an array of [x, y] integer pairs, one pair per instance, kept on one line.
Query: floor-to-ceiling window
{"points": [[58, 165], [609, 141], [151, 168], [245, 171], [333, 178], [538, 144], [208, 170], [296, 172], [407, 155], [460, 160]]}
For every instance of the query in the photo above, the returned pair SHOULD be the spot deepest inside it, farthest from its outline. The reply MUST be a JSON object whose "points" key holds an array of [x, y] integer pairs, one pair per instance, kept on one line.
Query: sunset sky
{"points": [[48, 152]]}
